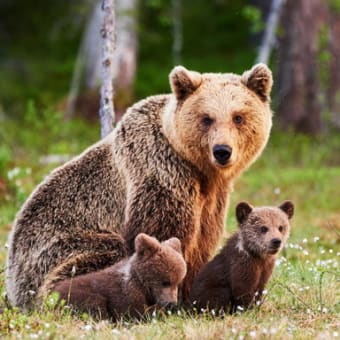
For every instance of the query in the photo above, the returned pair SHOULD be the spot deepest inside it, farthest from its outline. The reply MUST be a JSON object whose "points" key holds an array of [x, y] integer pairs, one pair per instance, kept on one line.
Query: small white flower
{"points": [[116, 331], [179, 312], [212, 312], [316, 238], [330, 251], [304, 240], [154, 314], [169, 312], [308, 311], [277, 191], [87, 327], [233, 330], [305, 252], [324, 310], [335, 334], [264, 330], [265, 291], [252, 334], [240, 308], [272, 330]]}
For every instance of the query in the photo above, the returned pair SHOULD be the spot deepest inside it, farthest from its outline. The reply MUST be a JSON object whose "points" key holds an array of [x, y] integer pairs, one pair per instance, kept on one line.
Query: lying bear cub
{"points": [[150, 277], [236, 277]]}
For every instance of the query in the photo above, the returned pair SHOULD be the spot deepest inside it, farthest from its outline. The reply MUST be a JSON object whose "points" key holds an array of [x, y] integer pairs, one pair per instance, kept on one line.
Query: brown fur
{"points": [[149, 278], [155, 173], [239, 273]]}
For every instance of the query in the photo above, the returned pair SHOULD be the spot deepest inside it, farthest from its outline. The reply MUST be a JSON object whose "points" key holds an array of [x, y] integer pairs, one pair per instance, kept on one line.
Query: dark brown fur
{"points": [[237, 276], [149, 278], [155, 173]]}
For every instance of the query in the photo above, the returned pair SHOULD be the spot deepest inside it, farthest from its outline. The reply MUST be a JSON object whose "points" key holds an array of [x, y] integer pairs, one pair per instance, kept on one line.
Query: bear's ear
{"points": [[184, 82], [288, 208], [260, 80], [243, 209], [174, 243], [146, 245]]}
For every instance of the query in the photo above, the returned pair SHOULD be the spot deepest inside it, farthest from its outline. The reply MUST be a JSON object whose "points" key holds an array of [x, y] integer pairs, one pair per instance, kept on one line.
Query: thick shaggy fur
{"points": [[239, 273], [147, 280], [155, 173]]}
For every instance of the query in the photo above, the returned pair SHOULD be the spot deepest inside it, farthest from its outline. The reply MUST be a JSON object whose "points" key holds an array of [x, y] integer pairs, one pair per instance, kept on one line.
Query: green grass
{"points": [[303, 296]]}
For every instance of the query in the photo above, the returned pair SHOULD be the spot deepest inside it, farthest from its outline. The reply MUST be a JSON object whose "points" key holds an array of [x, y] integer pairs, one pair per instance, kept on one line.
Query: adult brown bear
{"points": [[166, 170]]}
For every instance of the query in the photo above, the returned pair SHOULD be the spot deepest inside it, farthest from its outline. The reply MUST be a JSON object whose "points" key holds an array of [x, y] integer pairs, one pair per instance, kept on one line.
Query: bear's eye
{"points": [[207, 121], [281, 229], [166, 284], [238, 120], [264, 229]]}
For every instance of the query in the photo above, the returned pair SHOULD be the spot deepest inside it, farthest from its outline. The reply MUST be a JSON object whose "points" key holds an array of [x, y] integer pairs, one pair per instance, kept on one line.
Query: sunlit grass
{"points": [[302, 299]]}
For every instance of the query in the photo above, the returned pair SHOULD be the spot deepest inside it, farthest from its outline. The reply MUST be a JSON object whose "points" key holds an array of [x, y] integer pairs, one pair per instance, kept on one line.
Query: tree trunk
{"points": [[334, 72], [298, 85], [124, 66], [106, 111], [268, 39]]}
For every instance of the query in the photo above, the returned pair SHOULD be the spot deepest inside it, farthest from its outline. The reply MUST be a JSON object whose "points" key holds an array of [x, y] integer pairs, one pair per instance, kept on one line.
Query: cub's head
{"points": [[219, 121], [160, 267], [263, 230]]}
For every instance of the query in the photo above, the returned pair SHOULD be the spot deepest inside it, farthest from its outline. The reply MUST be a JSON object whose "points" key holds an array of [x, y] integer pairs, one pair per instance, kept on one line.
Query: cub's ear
{"points": [[146, 245], [260, 80], [243, 209], [288, 208], [184, 82], [174, 243]]}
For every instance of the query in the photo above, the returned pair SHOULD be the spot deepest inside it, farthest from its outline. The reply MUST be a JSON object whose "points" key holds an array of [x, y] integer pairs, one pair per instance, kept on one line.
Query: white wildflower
{"points": [[252, 334]]}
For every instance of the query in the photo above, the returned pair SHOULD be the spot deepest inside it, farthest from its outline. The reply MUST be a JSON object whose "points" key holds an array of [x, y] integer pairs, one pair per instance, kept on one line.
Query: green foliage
{"points": [[253, 14]]}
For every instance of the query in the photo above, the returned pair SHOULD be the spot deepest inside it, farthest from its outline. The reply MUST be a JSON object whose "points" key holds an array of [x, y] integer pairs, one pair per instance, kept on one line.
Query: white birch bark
{"points": [[106, 111], [269, 33]]}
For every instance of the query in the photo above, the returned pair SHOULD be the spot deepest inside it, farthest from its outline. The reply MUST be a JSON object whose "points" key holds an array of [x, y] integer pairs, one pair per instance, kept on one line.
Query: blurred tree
{"points": [[298, 82], [83, 96], [334, 72]]}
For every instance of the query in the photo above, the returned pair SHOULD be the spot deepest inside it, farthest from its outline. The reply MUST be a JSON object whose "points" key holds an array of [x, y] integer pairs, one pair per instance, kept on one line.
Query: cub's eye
{"points": [[281, 229], [166, 284], [264, 229], [207, 121], [238, 120]]}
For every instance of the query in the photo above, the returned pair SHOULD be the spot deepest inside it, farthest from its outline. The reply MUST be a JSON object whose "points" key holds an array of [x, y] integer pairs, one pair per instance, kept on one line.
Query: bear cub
{"points": [[149, 278], [236, 277]]}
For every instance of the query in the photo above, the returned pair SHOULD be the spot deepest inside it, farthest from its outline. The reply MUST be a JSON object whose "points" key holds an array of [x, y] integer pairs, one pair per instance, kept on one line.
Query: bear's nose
{"points": [[222, 153], [275, 242]]}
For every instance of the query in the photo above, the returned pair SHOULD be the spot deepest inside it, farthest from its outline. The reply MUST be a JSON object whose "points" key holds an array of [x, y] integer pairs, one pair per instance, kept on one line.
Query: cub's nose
{"points": [[222, 153], [275, 242]]}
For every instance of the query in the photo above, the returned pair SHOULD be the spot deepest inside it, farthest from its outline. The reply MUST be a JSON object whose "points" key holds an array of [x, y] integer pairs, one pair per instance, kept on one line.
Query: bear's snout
{"points": [[222, 153], [275, 243]]}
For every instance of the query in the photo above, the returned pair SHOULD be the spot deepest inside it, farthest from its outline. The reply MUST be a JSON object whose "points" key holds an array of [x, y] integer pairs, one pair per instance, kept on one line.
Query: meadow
{"points": [[302, 299]]}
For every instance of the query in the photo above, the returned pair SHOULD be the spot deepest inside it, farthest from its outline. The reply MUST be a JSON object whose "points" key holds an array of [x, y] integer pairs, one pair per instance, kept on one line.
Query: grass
{"points": [[303, 296]]}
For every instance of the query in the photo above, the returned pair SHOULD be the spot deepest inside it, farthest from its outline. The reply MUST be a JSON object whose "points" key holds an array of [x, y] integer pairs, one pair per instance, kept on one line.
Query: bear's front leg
{"points": [[156, 211]]}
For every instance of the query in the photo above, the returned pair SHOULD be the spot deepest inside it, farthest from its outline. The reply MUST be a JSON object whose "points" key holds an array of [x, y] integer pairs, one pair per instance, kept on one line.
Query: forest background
{"points": [[49, 102]]}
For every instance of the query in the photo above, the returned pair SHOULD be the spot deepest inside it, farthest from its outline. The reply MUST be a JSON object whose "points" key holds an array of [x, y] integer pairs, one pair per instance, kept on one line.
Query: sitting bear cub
{"points": [[239, 273], [148, 278]]}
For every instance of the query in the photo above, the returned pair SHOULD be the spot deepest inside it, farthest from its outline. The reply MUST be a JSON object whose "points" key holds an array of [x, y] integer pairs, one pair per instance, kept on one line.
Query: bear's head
{"points": [[263, 230], [160, 267], [219, 121]]}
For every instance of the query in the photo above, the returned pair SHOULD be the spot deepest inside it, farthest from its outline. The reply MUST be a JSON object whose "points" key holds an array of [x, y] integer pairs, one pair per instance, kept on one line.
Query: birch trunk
{"points": [[106, 111], [270, 31]]}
